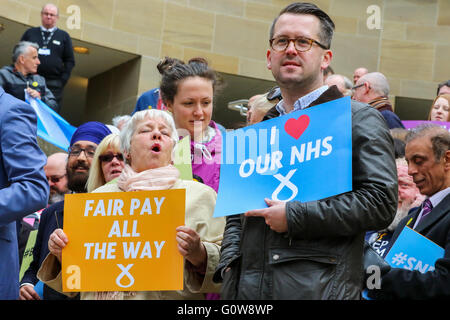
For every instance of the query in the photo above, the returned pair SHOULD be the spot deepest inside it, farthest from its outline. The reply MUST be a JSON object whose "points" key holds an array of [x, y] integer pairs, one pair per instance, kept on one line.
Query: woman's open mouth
{"points": [[156, 147]]}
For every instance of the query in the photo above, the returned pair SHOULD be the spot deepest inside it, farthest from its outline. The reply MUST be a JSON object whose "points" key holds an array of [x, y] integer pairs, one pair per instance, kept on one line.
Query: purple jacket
{"points": [[206, 159]]}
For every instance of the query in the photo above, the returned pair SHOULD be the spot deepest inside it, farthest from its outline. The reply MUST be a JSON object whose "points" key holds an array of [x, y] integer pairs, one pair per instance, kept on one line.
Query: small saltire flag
{"points": [[50, 125]]}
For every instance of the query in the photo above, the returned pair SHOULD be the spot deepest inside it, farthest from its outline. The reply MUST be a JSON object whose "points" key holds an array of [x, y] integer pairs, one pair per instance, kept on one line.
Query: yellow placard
{"points": [[123, 241]]}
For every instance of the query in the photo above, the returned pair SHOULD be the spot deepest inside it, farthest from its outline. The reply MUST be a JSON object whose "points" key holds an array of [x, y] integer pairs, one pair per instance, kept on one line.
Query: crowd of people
{"points": [[287, 250]]}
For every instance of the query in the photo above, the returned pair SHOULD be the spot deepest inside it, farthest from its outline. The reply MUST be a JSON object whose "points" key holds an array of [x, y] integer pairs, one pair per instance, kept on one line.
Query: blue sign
{"points": [[50, 125], [413, 251], [305, 155]]}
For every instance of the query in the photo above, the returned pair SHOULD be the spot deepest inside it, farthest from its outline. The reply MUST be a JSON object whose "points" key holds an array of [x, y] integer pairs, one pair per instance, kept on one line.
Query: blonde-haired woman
{"points": [[107, 163]]}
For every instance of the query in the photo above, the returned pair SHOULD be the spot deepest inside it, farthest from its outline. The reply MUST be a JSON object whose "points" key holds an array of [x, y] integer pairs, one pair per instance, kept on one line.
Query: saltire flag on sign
{"points": [[305, 155]]}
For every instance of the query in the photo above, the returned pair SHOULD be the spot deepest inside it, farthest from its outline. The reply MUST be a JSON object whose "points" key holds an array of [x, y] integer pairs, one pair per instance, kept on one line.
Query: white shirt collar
{"points": [[439, 196], [51, 29], [303, 102], [435, 199]]}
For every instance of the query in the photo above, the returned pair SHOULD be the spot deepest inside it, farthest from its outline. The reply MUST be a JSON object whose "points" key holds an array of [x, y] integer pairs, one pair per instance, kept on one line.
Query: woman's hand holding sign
{"points": [[57, 241], [191, 247], [274, 215]]}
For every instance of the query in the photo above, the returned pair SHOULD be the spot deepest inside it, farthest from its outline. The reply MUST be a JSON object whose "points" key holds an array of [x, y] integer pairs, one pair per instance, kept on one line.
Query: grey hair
{"points": [[440, 138], [348, 83], [129, 129], [118, 119], [348, 86], [21, 48], [345, 82], [378, 83]]}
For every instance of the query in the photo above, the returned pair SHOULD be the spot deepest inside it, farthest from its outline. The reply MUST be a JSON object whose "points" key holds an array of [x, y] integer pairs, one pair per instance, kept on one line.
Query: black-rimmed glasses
{"points": [[301, 44], [358, 86], [76, 151]]}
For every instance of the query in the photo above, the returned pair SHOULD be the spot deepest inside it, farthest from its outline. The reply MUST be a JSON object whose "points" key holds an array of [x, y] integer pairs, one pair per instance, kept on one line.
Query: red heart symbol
{"points": [[296, 127]]}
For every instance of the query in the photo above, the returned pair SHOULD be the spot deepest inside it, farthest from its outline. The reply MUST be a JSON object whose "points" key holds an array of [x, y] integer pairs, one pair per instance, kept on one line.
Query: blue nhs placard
{"points": [[305, 155]]}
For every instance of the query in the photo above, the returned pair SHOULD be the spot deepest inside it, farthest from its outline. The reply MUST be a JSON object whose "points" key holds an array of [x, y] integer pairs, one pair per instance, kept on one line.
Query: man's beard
{"points": [[399, 215], [56, 197], [77, 181]]}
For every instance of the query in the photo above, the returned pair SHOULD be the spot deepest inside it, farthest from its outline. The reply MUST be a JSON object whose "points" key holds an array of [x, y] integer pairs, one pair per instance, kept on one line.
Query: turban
{"points": [[92, 131]]}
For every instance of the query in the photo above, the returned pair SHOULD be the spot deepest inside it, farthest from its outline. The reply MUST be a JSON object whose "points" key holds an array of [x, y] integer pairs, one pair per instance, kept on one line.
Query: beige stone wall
{"points": [[411, 48], [112, 93]]}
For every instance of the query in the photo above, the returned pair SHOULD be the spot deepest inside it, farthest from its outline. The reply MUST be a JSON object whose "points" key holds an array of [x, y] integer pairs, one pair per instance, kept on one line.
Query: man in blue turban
{"points": [[82, 148], [81, 151]]}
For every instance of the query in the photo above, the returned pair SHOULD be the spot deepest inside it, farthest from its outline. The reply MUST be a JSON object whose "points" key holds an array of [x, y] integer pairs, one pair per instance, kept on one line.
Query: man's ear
{"points": [[366, 87], [20, 59], [326, 60], [269, 64], [447, 160]]}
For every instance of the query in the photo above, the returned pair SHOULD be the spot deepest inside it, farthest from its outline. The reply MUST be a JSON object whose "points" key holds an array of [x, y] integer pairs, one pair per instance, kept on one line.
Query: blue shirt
{"points": [[303, 102]]}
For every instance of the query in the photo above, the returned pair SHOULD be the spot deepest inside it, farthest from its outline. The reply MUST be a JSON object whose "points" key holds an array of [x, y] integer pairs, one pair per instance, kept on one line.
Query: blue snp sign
{"points": [[305, 155], [413, 251]]}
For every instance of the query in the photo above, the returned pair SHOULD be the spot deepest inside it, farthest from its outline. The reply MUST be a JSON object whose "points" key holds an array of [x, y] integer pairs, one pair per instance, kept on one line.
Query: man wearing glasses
{"points": [[55, 51], [55, 171], [373, 88], [81, 151], [312, 250]]}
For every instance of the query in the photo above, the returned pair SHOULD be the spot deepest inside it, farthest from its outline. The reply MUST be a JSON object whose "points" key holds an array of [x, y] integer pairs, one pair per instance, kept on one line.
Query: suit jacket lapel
{"points": [[436, 213], [412, 217]]}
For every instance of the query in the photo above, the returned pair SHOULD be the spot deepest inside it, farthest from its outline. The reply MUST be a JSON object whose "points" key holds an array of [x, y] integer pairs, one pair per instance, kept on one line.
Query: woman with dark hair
{"points": [[187, 90]]}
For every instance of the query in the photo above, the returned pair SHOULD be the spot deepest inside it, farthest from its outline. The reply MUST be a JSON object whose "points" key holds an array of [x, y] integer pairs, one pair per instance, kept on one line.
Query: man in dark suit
{"points": [[55, 51], [428, 157], [23, 186]]}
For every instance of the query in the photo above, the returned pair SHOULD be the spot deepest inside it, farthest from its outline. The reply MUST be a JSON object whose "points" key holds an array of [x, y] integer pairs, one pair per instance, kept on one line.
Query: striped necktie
{"points": [[426, 209]]}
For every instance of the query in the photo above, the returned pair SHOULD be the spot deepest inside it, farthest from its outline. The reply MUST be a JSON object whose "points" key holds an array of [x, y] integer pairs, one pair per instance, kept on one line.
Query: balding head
{"points": [[49, 15], [260, 107], [358, 73], [55, 171], [250, 104], [371, 86], [342, 83]]}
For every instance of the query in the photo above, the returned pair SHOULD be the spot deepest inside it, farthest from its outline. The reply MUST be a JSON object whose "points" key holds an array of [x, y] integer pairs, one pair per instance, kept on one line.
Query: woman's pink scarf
{"points": [[152, 179]]}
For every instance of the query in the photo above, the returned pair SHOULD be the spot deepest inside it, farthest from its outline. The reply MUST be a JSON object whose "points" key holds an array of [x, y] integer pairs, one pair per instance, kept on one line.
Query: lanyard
{"points": [[46, 41]]}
